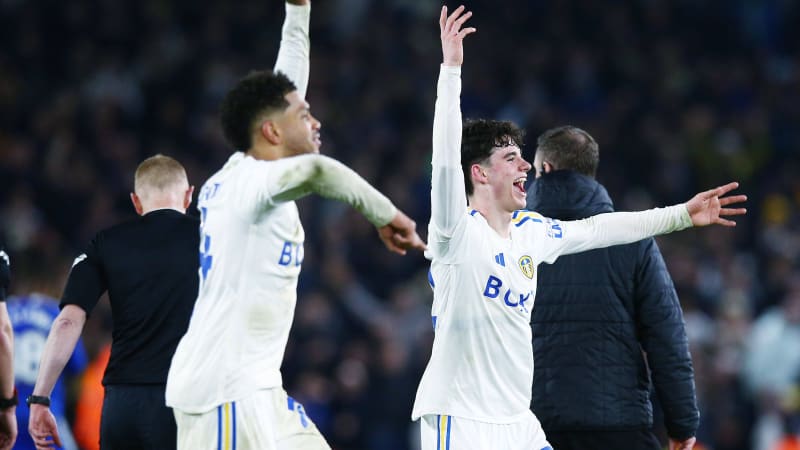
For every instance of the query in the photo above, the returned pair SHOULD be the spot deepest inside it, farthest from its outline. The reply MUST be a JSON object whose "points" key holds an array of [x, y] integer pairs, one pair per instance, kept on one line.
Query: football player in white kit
{"points": [[476, 390], [224, 382]]}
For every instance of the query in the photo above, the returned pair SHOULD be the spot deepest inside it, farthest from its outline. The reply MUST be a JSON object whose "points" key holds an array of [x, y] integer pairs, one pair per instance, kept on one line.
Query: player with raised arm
{"points": [[225, 383], [485, 249]]}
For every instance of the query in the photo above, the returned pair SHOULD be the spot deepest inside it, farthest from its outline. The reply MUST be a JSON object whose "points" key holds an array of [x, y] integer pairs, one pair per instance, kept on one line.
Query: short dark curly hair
{"points": [[259, 93], [479, 138]]}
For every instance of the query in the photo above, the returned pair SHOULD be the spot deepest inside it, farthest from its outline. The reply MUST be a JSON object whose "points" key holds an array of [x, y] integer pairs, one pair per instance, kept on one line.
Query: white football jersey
{"points": [[484, 285], [250, 258]]}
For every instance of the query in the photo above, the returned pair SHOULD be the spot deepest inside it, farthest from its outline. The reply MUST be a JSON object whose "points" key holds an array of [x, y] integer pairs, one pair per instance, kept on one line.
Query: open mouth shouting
{"points": [[519, 185]]}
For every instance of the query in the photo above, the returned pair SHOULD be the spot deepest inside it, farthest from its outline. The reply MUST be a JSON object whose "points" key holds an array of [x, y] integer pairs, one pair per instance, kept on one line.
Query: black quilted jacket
{"points": [[595, 314]]}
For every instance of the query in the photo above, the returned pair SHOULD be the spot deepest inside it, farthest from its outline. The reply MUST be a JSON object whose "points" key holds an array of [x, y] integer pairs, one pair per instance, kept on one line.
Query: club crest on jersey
{"points": [[526, 265]]}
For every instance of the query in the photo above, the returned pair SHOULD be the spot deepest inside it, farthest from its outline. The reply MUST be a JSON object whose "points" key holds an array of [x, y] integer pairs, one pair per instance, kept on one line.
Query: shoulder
{"points": [[523, 216], [119, 228], [114, 232]]}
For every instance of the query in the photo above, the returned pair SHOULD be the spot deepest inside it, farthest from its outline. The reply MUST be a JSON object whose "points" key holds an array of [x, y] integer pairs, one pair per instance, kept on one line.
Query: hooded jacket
{"points": [[601, 318]]}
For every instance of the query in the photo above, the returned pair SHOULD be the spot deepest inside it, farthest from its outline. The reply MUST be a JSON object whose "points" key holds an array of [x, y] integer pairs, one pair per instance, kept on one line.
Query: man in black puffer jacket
{"points": [[602, 318]]}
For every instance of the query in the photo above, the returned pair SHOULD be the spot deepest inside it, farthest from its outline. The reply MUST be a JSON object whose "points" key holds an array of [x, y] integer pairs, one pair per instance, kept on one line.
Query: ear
{"points": [[478, 173], [271, 132], [187, 197], [137, 203], [547, 167]]}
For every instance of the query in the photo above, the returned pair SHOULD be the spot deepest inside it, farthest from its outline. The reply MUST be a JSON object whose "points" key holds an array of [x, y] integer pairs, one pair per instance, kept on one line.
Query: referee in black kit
{"points": [[149, 268]]}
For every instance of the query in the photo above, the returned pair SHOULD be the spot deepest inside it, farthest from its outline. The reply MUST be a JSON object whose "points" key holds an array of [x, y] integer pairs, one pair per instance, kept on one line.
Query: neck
{"points": [[498, 219], [267, 152], [156, 208], [174, 202]]}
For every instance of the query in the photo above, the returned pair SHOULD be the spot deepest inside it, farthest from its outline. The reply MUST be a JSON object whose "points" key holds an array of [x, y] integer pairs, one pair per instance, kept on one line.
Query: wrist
{"points": [[38, 400], [11, 402]]}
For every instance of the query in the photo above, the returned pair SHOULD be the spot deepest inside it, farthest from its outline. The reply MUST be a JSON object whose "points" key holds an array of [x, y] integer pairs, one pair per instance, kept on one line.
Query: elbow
{"points": [[316, 170], [70, 319]]}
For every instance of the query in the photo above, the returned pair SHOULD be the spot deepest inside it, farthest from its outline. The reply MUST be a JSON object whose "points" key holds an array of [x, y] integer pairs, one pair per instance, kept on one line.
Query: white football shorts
{"points": [[267, 420], [456, 433]]}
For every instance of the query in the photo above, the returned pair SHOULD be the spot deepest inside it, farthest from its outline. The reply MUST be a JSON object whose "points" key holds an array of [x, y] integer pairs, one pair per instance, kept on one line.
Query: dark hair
{"points": [[257, 94], [479, 138], [570, 148]]}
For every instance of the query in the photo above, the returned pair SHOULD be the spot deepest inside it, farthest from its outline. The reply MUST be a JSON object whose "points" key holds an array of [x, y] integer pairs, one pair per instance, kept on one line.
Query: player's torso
{"points": [[493, 279], [246, 248], [251, 250], [484, 288]]}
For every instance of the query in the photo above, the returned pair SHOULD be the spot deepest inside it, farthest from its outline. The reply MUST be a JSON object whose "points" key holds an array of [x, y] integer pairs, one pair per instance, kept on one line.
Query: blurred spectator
{"points": [[771, 365], [32, 316]]}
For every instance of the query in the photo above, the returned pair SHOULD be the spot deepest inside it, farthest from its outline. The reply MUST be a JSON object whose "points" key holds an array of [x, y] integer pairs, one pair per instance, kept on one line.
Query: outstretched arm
{"points": [[448, 195], [604, 230], [313, 173], [61, 341], [295, 48]]}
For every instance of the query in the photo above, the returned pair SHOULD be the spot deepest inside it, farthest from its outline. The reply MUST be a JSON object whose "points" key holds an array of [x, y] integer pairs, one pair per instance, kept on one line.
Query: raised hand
{"points": [[453, 35], [400, 234], [709, 207]]}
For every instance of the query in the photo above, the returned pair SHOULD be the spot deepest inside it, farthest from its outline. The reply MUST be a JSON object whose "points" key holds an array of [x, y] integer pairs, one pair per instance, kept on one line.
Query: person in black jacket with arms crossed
{"points": [[595, 314], [149, 266]]}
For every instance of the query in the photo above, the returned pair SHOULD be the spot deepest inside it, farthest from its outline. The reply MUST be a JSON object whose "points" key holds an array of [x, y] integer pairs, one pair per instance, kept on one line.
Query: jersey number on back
{"points": [[205, 247]]}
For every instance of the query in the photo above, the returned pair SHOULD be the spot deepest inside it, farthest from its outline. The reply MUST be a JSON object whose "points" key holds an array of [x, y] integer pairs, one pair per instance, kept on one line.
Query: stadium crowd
{"points": [[681, 95]]}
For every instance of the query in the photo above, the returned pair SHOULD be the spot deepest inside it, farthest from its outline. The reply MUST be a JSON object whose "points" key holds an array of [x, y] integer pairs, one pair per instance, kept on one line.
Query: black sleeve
{"points": [[663, 336], [87, 281]]}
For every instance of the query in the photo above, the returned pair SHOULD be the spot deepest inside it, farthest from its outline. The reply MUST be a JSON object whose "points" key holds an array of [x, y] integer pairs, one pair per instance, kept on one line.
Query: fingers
{"points": [[41, 440], [394, 247], [466, 31], [732, 211], [409, 240], [448, 26], [443, 18], [720, 191], [460, 21], [725, 222], [57, 438], [724, 201]]}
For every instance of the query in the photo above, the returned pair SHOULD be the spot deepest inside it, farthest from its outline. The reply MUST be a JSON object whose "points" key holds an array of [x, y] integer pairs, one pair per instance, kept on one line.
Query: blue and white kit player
{"points": [[32, 315], [224, 382], [476, 390]]}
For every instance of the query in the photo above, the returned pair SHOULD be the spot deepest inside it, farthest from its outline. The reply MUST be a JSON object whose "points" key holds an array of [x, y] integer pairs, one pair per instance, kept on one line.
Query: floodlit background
{"points": [[681, 95]]}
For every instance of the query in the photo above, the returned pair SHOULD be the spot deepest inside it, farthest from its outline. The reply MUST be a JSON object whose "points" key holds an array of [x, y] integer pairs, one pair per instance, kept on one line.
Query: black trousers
{"points": [[135, 417], [604, 440]]}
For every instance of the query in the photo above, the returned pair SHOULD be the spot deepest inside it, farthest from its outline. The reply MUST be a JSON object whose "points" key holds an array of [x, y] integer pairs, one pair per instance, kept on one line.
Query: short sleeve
{"points": [[86, 282]]}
